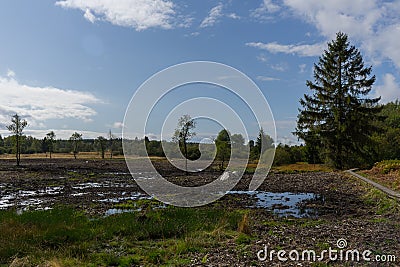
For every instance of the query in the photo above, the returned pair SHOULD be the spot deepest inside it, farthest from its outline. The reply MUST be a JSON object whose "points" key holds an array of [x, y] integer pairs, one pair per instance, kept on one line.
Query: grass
{"points": [[381, 203], [298, 167], [64, 237], [301, 167], [386, 172], [388, 166]]}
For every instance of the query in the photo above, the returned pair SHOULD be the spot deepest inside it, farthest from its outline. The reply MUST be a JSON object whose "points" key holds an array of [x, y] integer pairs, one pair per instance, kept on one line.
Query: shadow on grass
{"points": [[156, 237]]}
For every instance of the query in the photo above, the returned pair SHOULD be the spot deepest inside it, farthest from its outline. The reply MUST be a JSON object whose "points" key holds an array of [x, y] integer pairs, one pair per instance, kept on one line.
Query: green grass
{"points": [[388, 166], [301, 167], [380, 202], [64, 237]]}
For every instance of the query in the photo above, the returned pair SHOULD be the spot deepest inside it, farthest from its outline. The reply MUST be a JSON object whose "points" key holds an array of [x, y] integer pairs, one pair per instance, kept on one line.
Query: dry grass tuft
{"points": [[244, 225]]}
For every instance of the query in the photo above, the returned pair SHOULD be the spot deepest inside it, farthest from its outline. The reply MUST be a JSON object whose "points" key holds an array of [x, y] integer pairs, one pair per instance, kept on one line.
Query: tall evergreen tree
{"points": [[339, 112], [263, 142]]}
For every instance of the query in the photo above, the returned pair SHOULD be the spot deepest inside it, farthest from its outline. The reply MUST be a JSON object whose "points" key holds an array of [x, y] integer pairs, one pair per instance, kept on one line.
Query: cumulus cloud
{"points": [[389, 90], [39, 104], [374, 24], [354, 17], [137, 14], [303, 50], [213, 16]]}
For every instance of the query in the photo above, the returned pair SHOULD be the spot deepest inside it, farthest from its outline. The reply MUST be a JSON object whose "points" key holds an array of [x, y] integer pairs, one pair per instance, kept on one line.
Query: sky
{"points": [[74, 65]]}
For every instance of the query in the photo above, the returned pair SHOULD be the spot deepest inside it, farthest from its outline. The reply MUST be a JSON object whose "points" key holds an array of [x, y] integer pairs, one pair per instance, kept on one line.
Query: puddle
{"points": [[28, 198], [133, 196], [89, 185], [121, 210], [110, 212], [283, 204], [5, 203], [106, 184]]}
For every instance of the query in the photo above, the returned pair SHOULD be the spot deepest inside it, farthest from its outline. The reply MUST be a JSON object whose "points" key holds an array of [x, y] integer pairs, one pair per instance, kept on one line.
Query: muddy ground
{"points": [[339, 208]]}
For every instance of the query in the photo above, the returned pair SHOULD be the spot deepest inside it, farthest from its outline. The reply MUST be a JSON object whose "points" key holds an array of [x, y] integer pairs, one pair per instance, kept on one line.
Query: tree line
{"points": [[339, 122], [385, 144], [18, 143]]}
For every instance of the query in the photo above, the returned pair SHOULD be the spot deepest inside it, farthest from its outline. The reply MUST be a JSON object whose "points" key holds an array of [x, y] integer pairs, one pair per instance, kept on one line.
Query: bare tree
{"points": [[16, 127], [184, 132], [76, 139], [50, 141]]}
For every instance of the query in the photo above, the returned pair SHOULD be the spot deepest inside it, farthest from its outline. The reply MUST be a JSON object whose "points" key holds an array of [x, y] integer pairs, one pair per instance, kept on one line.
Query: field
{"points": [[90, 212]]}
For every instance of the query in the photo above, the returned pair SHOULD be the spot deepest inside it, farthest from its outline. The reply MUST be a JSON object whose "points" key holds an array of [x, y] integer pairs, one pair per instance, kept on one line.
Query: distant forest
{"points": [[385, 145]]}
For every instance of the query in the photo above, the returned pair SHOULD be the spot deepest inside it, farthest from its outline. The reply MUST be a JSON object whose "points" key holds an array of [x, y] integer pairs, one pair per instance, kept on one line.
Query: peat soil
{"points": [[341, 209]]}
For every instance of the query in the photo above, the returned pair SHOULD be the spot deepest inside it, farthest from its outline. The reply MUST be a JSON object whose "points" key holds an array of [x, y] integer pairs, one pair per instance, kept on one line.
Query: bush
{"points": [[282, 156], [388, 166]]}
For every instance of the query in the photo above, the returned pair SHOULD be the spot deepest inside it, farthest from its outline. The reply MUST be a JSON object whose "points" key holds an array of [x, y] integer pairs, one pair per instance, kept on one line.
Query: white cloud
{"points": [[262, 58], [233, 16], [289, 140], [301, 50], [267, 7], [192, 34], [302, 68], [355, 17], [389, 90], [137, 14], [213, 16], [374, 24], [118, 125], [267, 79], [10, 73], [279, 67], [89, 16], [38, 104]]}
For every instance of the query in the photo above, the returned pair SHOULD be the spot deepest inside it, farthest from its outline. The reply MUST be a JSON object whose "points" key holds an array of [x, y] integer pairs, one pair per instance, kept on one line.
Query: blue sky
{"points": [[73, 65]]}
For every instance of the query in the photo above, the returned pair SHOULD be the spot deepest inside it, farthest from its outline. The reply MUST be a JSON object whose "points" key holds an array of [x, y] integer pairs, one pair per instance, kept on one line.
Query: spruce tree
{"points": [[339, 112]]}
